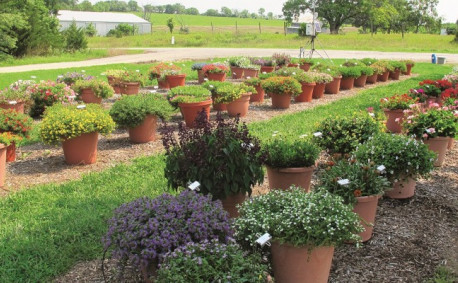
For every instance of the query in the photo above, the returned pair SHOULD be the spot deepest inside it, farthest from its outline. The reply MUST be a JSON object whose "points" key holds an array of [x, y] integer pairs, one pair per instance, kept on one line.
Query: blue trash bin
{"points": [[433, 58]]}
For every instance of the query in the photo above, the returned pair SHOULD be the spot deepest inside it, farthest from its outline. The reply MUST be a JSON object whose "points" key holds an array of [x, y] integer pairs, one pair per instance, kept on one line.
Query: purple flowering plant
{"points": [[70, 78], [144, 230]]}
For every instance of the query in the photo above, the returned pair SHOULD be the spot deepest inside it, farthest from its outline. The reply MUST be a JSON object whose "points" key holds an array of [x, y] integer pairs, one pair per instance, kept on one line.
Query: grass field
{"points": [[45, 230]]}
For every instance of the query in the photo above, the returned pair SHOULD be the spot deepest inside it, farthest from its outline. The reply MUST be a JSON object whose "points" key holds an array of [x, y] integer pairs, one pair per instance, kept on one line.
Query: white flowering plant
{"points": [[297, 218], [403, 157]]}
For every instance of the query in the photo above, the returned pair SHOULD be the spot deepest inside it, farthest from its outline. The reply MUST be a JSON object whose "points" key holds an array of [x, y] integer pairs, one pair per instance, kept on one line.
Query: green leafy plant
{"points": [[430, 124], [288, 72], [159, 71], [352, 63], [282, 86], [321, 78], [408, 62], [398, 101], [305, 77], [309, 61], [115, 73], [383, 66], [282, 152], [350, 72], [70, 78], [328, 69], [215, 68], [241, 62], [366, 70], [281, 59], [131, 110], [398, 65], [9, 95], [100, 88], [133, 77], [7, 138], [368, 61], [187, 94], [14, 122], [231, 92], [253, 82], [62, 122]]}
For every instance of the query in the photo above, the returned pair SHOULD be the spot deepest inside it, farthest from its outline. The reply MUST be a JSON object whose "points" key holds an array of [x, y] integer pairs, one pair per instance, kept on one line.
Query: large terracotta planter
{"points": [[149, 272], [18, 106], [11, 152], [402, 189], [111, 80], [391, 116], [2, 164], [408, 72], [366, 208], [230, 204], [88, 96], [175, 80], [239, 106], [383, 77], [259, 96], [305, 67], [267, 69], [82, 149], [438, 145], [307, 93], [250, 73], [283, 178], [451, 142], [220, 106], [360, 81], [292, 65], [372, 79], [130, 88], [280, 101], [117, 89], [347, 83], [295, 264], [394, 75], [200, 76], [318, 91], [237, 72], [190, 111], [145, 132], [216, 77], [333, 87], [163, 84]]}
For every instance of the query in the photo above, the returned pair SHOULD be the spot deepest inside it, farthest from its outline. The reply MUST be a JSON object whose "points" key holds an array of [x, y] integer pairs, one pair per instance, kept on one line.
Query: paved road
{"points": [[172, 54]]}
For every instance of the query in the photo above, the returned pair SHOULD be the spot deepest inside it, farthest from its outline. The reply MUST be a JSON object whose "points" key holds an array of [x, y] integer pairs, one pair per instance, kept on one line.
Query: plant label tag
{"points": [[264, 239], [343, 182], [372, 114], [12, 102], [81, 106], [381, 168], [156, 87], [205, 79], [248, 77], [152, 91], [318, 134], [72, 96], [60, 76], [194, 186], [264, 73]]}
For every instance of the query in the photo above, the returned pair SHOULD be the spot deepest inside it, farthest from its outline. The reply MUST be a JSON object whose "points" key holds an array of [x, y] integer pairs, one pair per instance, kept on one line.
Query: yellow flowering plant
{"points": [[62, 122]]}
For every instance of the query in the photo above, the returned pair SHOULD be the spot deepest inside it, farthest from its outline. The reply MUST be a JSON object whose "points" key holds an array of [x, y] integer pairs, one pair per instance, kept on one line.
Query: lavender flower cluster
{"points": [[144, 230], [71, 77]]}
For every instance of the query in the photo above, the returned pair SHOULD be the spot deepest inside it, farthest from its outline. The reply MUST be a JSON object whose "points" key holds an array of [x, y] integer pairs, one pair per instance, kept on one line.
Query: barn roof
{"points": [[79, 16]]}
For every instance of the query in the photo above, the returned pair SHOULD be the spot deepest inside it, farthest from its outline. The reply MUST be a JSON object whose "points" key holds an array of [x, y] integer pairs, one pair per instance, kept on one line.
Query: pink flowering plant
{"points": [[398, 101], [46, 93], [433, 123]]}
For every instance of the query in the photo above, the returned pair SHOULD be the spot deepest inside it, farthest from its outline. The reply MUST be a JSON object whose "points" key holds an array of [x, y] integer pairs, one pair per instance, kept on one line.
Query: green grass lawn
{"points": [[45, 230]]}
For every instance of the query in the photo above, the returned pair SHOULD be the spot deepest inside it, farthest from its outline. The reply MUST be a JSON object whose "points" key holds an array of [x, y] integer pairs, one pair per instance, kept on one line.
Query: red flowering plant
{"points": [[8, 138], [46, 93], [215, 68], [14, 122], [449, 93], [160, 70], [398, 101], [432, 88]]}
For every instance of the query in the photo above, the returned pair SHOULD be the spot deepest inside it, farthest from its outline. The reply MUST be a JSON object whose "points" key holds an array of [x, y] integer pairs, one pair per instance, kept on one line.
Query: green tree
{"points": [[170, 24], [191, 11], [75, 38], [212, 13], [261, 12], [8, 38], [133, 6], [270, 16], [90, 30], [423, 12], [226, 12]]}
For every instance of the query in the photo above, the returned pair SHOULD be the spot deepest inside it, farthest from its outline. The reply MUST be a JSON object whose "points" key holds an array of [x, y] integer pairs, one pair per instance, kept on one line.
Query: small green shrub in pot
{"points": [[188, 94], [241, 62], [253, 82], [368, 61], [288, 72], [282, 86], [383, 65], [133, 77], [321, 78], [309, 61], [285, 152], [281, 59], [352, 63], [398, 65], [366, 70], [350, 72], [231, 92], [100, 88], [328, 69], [305, 78]]}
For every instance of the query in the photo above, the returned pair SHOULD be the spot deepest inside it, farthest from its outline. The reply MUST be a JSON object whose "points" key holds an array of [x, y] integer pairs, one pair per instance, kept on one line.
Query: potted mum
{"points": [[409, 66], [267, 65], [143, 231], [349, 74], [200, 73], [216, 262], [290, 162], [321, 79], [46, 93], [365, 73], [158, 72], [360, 184], [332, 87], [405, 160], [238, 65], [377, 69], [17, 124], [215, 72], [307, 81], [93, 91], [191, 100], [395, 108], [306, 63], [131, 82], [5, 141], [222, 156], [387, 68], [236, 97], [14, 99], [77, 128], [213, 87], [114, 79], [305, 228], [281, 89], [139, 114], [259, 95], [399, 67], [434, 127]]}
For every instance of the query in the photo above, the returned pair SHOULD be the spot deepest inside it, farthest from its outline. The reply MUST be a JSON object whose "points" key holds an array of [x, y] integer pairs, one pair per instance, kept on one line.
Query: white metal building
{"points": [[103, 21]]}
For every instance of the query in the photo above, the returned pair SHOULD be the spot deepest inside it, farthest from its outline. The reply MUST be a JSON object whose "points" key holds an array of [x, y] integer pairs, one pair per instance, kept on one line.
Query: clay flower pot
{"points": [[372, 79], [239, 106], [163, 84], [2, 164], [220, 106], [394, 75], [402, 189], [438, 145], [297, 264], [11, 152], [394, 120], [360, 81], [88, 96], [230, 204], [175, 80], [18, 106], [200, 76], [237, 72], [366, 208], [307, 93], [216, 77], [305, 67], [267, 69], [408, 72], [318, 91], [145, 132], [280, 101], [451, 142], [333, 87], [383, 77], [190, 111], [283, 178], [81, 149], [292, 65], [117, 89], [250, 73], [347, 83], [259, 96], [130, 88]]}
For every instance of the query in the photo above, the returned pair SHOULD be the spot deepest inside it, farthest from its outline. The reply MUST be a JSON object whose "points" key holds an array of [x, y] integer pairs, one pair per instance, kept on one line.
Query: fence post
{"points": [[259, 27], [212, 27], [236, 28]]}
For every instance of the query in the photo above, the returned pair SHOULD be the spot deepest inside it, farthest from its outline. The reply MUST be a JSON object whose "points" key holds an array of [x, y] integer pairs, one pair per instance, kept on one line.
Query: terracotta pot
{"points": [[220, 106], [145, 132], [451, 142], [130, 88], [283, 178], [291, 65], [408, 72], [347, 83], [392, 115], [175, 80], [2, 164], [267, 69], [190, 111], [163, 84], [117, 89], [366, 208], [318, 91], [402, 189], [200, 76], [394, 75], [230, 204], [307, 93], [439, 146], [82, 149], [333, 87], [305, 67], [149, 272], [360, 81], [237, 72], [239, 106], [216, 77], [88, 96], [383, 77], [250, 73], [18, 106], [372, 79], [11, 152], [111, 80], [295, 264], [280, 101], [259, 96]]}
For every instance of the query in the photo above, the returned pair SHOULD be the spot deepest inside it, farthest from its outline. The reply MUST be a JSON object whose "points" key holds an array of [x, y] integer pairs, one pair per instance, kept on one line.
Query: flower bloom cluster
{"points": [[71, 77], [46, 93], [398, 102], [215, 68]]}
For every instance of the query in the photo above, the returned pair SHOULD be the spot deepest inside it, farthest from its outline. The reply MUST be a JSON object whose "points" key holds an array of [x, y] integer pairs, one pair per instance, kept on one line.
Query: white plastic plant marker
{"points": [[318, 134], [205, 79], [60, 76], [72, 96], [264, 239], [152, 91], [138, 71], [343, 182], [82, 106], [12, 102], [83, 71], [33, 77], [248, 77], [381, 168], [156, 87], [194, 186], [264, 73]]}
